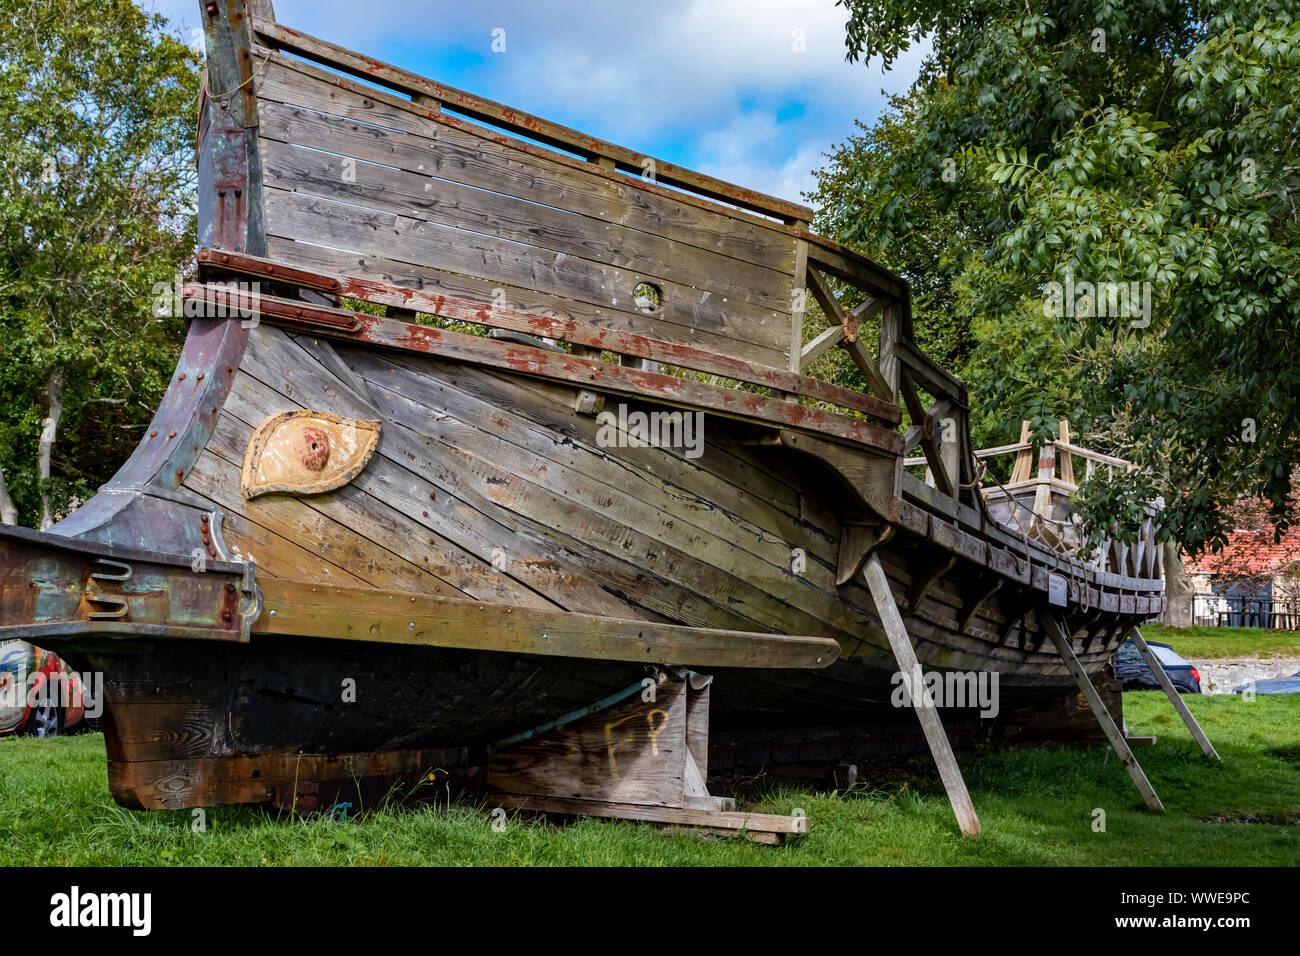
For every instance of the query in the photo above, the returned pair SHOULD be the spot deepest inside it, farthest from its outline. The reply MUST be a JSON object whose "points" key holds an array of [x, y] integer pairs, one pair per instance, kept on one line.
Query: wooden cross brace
{"points": [[935, 736], [1061, 638]]}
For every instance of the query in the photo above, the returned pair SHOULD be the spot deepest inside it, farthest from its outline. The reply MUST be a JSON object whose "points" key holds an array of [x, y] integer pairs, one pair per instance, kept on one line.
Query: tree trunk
{"points": [[1178, 588], [49, 427], [8, 513]]}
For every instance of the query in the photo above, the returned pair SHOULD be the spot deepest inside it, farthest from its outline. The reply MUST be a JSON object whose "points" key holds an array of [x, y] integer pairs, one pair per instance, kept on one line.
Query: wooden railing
{"points": [[434, 95], [937, 403], [1052, 480]]}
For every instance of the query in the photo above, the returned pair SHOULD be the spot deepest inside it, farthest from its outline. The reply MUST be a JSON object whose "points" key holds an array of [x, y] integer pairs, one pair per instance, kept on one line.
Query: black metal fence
{"points": [[1214, 610]]}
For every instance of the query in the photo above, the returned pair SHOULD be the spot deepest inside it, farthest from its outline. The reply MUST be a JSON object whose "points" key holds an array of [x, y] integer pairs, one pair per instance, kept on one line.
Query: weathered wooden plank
{"points": [[431, 513], [927, 373], [798, 302], [560, 179], [890, 329], [649, 386], [408, 390], [685, 816], [846, 265], [275, 554], [723, 473], [746, 287], [209, 781], [874, 479], [581, 334], [441, 282], [630, 751], [262, 10], [335, 542], [443, 545], [403, 238], [398, 617], [725, 476], [603, 484], [378, 519], [620, 526], [554, 134], [969, 518]]}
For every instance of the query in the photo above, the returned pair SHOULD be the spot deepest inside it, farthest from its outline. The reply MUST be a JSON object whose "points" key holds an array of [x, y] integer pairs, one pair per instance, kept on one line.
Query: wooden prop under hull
{"points": [[644, 757]]}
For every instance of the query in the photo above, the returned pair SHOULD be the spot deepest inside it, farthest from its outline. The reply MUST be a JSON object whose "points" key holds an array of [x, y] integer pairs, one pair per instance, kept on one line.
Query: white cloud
{"points": [[740, 153], [701, 82]]}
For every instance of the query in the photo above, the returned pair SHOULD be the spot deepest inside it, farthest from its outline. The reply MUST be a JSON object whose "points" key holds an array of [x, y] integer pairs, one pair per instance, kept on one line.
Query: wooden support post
{"points": [[798, 306], [588, 402], [1065, 458], [905, 656], [1171, 692], [890, 329], [1061, 638], [641, 754], [1024, 458], [950, 451], [942, 478]]}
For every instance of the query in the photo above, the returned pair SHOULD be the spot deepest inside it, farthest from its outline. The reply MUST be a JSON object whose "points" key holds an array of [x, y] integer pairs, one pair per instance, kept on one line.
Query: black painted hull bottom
{"points": [[205, 723]]}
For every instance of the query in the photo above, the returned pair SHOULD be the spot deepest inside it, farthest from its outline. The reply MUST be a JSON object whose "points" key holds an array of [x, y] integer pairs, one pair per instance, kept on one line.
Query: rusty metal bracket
{"points": [[220, 260], [271, 307], [119, 604], [250, 600]]}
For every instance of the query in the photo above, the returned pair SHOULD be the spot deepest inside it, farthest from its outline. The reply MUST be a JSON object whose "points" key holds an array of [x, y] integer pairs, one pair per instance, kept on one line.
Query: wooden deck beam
{"points": [[549, 327], [293, 608]]}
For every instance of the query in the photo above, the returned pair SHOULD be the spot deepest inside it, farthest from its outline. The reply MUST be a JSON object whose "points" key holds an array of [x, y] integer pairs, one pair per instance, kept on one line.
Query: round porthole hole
{"points": [[649, 298]]}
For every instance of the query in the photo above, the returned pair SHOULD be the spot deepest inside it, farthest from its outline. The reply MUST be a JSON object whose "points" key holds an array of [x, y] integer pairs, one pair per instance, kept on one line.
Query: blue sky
{"points": [[721, 86]]}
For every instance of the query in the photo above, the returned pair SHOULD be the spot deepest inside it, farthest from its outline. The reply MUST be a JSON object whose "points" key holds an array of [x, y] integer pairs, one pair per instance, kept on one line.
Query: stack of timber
{"points": [[448, 535]]}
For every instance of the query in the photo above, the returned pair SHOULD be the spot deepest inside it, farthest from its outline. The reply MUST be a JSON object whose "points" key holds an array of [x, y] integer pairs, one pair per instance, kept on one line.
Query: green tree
{"points": [[1111, 142], [97, 105], [928, 257]]}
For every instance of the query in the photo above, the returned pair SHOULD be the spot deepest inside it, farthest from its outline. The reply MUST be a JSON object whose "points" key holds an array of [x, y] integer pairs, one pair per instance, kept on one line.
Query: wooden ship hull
{"points": [[358, 544]]}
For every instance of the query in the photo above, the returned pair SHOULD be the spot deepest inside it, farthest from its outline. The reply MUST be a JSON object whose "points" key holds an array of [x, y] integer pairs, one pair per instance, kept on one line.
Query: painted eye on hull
{"points": [[306, 452]]}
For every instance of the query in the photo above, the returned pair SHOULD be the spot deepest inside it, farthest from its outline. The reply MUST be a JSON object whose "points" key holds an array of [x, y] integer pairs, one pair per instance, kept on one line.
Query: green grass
{"points": [[1211, 642], [1036, 807]]}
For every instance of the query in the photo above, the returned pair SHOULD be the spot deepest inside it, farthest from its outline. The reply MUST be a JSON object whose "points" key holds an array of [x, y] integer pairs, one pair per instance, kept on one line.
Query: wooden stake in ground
{"points": [[905, 656], [1061, 638], [1171, 692]]}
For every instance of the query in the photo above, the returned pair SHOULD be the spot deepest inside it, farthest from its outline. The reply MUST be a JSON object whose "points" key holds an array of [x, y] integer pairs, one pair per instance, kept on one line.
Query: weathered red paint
{"points": [[582, 333], [252, 265], [624, 380], [271, 306]]}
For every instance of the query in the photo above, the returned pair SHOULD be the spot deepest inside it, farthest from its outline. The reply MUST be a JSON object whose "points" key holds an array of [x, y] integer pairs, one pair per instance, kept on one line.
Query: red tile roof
{"points": [[1249, 553]]}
